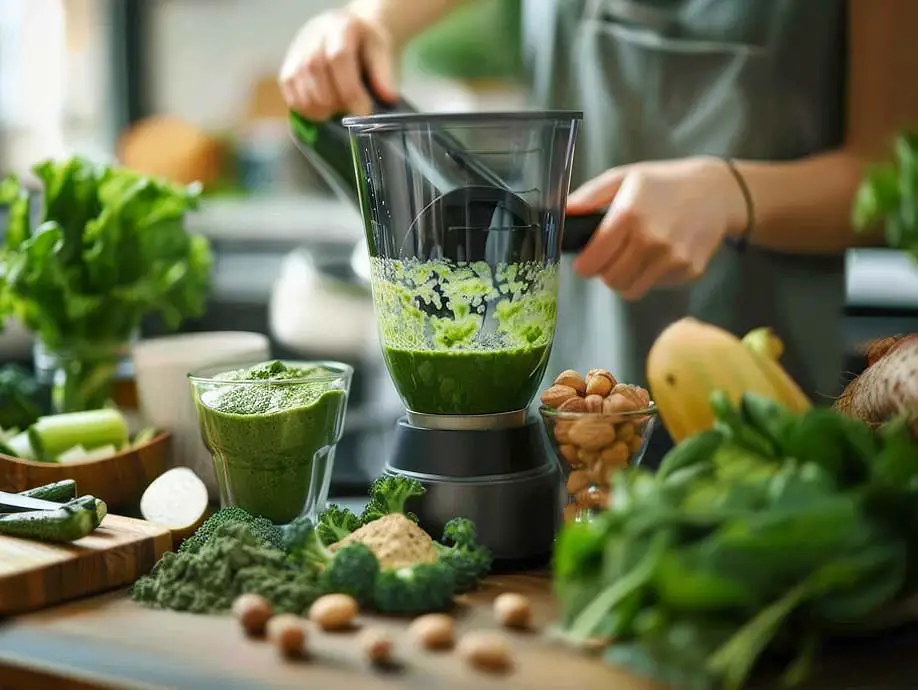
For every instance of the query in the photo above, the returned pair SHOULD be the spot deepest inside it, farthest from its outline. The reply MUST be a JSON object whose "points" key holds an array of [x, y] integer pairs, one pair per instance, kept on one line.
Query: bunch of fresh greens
{"points": [[110, 249], [769, 532], [889, 194], [20, 403]]}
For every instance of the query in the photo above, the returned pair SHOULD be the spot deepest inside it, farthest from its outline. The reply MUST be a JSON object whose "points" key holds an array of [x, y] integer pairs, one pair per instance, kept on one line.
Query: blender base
{"points": [[504, 480]]}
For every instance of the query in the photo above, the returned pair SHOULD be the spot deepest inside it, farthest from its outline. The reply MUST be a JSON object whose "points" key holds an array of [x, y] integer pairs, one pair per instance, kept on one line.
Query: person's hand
{"points": [[322, 74], [665, 221]]}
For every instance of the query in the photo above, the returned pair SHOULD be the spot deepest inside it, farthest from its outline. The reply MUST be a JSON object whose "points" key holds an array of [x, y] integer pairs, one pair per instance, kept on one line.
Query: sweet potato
{"points": [[889, 385]]}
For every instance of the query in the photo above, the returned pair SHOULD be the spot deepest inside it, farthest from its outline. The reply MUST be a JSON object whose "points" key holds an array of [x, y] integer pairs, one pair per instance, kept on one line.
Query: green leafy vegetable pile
{"points": [[889, 194], [234, 552], [233, 560], [769, 532], [263, 529]]}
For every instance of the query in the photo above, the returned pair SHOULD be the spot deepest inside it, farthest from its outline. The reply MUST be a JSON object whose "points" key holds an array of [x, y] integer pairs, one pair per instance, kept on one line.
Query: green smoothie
{"points": [[466, 382], [272, 435], [465, 338]]}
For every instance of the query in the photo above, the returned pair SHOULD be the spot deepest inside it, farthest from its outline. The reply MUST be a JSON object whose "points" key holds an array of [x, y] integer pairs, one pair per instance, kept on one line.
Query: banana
{"points": [[767, 349], [691, 359]]}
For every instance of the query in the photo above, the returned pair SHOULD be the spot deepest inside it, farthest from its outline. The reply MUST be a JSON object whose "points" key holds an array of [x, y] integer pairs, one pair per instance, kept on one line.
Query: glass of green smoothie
{"points": [[271, 428], [463, 216]]}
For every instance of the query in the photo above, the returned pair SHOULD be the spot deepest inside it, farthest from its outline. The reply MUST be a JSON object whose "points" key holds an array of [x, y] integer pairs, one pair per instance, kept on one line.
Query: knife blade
{"points": [[17, 503]]}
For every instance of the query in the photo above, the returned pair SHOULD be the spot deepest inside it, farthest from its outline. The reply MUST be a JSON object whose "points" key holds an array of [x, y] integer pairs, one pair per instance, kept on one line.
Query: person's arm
{"points": [[404, 18], [805, 206]]}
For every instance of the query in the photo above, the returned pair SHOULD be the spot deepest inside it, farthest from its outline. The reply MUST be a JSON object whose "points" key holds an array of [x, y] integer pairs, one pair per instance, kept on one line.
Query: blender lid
{"points": [[396, 119]]}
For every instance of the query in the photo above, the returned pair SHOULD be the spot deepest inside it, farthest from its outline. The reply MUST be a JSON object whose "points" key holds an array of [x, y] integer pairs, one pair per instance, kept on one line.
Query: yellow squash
{"points": [[690, 359], [767, 349]]}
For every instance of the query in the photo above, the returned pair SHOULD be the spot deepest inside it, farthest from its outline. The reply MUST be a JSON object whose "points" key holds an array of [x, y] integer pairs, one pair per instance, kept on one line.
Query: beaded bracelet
{"points": [[743, 240]]}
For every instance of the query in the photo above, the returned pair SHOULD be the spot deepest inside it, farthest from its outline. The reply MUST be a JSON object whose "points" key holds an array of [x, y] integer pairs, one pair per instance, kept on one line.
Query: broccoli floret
{"points": [[336, 523], [469, 560], [388, 494], [295, 534], [265, 530], [350, 570], [421, 588]]}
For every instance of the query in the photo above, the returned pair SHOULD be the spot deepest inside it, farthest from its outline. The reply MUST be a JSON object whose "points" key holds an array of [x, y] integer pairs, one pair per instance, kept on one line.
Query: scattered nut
{"points": [[557, 395], [593, 403], [288, 634], [433, 631], [487, 651], [592, 433], [615, 455], [573, 379], [333, 611], [578, 479], [562, 428], [599, 382], [569, 453], [253, 612], [575, 404], [513, 610], [376, 645]]}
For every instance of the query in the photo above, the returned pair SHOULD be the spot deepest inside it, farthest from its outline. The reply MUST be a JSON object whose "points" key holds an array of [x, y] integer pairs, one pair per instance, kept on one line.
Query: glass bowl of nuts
{"points": [[597, 427]]}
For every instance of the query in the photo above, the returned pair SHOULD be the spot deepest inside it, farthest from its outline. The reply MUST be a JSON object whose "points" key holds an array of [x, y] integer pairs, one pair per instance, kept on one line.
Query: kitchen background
{"points": [[186, 88]]}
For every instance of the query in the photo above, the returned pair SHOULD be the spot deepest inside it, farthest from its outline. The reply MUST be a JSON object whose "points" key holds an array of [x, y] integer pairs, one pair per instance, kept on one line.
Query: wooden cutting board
{"points": [[36, 574]]}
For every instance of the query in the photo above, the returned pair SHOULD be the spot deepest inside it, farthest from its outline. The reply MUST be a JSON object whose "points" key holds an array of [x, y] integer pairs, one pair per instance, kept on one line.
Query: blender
{"points": [[463, 216]]}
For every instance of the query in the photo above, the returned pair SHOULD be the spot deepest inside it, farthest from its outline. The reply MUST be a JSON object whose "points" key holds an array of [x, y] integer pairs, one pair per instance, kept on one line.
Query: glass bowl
{"points": [[591, 447], [273, 440]]}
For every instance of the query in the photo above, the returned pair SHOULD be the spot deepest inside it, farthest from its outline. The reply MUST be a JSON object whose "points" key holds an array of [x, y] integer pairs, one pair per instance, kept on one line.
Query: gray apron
{"points": [[659, 79]]}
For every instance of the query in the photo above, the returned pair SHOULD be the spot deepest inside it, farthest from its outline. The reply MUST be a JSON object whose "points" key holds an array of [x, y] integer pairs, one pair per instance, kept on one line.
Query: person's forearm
{"points": [[801, 206], [405, 18]]}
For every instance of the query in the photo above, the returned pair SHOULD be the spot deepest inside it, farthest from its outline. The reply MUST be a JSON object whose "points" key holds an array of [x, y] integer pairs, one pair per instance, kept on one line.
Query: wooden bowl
{"points": [[119, 480]]}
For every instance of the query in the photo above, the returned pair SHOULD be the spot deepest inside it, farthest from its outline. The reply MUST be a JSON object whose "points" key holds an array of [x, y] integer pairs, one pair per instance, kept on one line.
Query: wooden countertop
{"points": [[110, 642]]}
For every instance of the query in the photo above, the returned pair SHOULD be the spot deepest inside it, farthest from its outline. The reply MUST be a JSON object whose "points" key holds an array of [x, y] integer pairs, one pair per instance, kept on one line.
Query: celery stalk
{"points": [[50, 436]]}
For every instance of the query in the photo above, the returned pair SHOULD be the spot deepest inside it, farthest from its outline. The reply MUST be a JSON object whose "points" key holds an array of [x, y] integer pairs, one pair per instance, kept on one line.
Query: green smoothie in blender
{"points": [[461, 338]]}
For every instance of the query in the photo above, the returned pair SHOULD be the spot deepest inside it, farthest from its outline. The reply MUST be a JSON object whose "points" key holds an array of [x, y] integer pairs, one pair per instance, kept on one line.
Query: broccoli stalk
{"points": [[351, 570], [336, 523], [388, 495], [469, 560], [421, 588]]}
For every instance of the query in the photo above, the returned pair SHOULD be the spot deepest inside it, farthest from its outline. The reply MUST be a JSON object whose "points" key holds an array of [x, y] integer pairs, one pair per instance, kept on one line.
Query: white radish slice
{"points": [[176, 499]]}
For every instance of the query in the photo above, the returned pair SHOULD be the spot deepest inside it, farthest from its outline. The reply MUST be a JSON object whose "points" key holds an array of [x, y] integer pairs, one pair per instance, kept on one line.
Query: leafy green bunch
{"points": [[110, 249], [769, 532], [889, 194]]}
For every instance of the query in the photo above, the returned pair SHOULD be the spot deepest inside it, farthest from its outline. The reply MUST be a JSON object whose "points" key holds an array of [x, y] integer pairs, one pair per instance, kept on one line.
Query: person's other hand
{"points": [[665, 221], [322, 74]]}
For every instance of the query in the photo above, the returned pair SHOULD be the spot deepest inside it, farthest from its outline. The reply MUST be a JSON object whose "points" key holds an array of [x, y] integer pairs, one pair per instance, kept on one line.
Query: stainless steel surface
{"points": [[14, 503], [881, 278], [503, 420]]}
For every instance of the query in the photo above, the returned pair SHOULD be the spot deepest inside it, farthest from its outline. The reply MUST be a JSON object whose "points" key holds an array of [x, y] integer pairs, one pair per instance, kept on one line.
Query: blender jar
{"points": [[463, 217]]}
